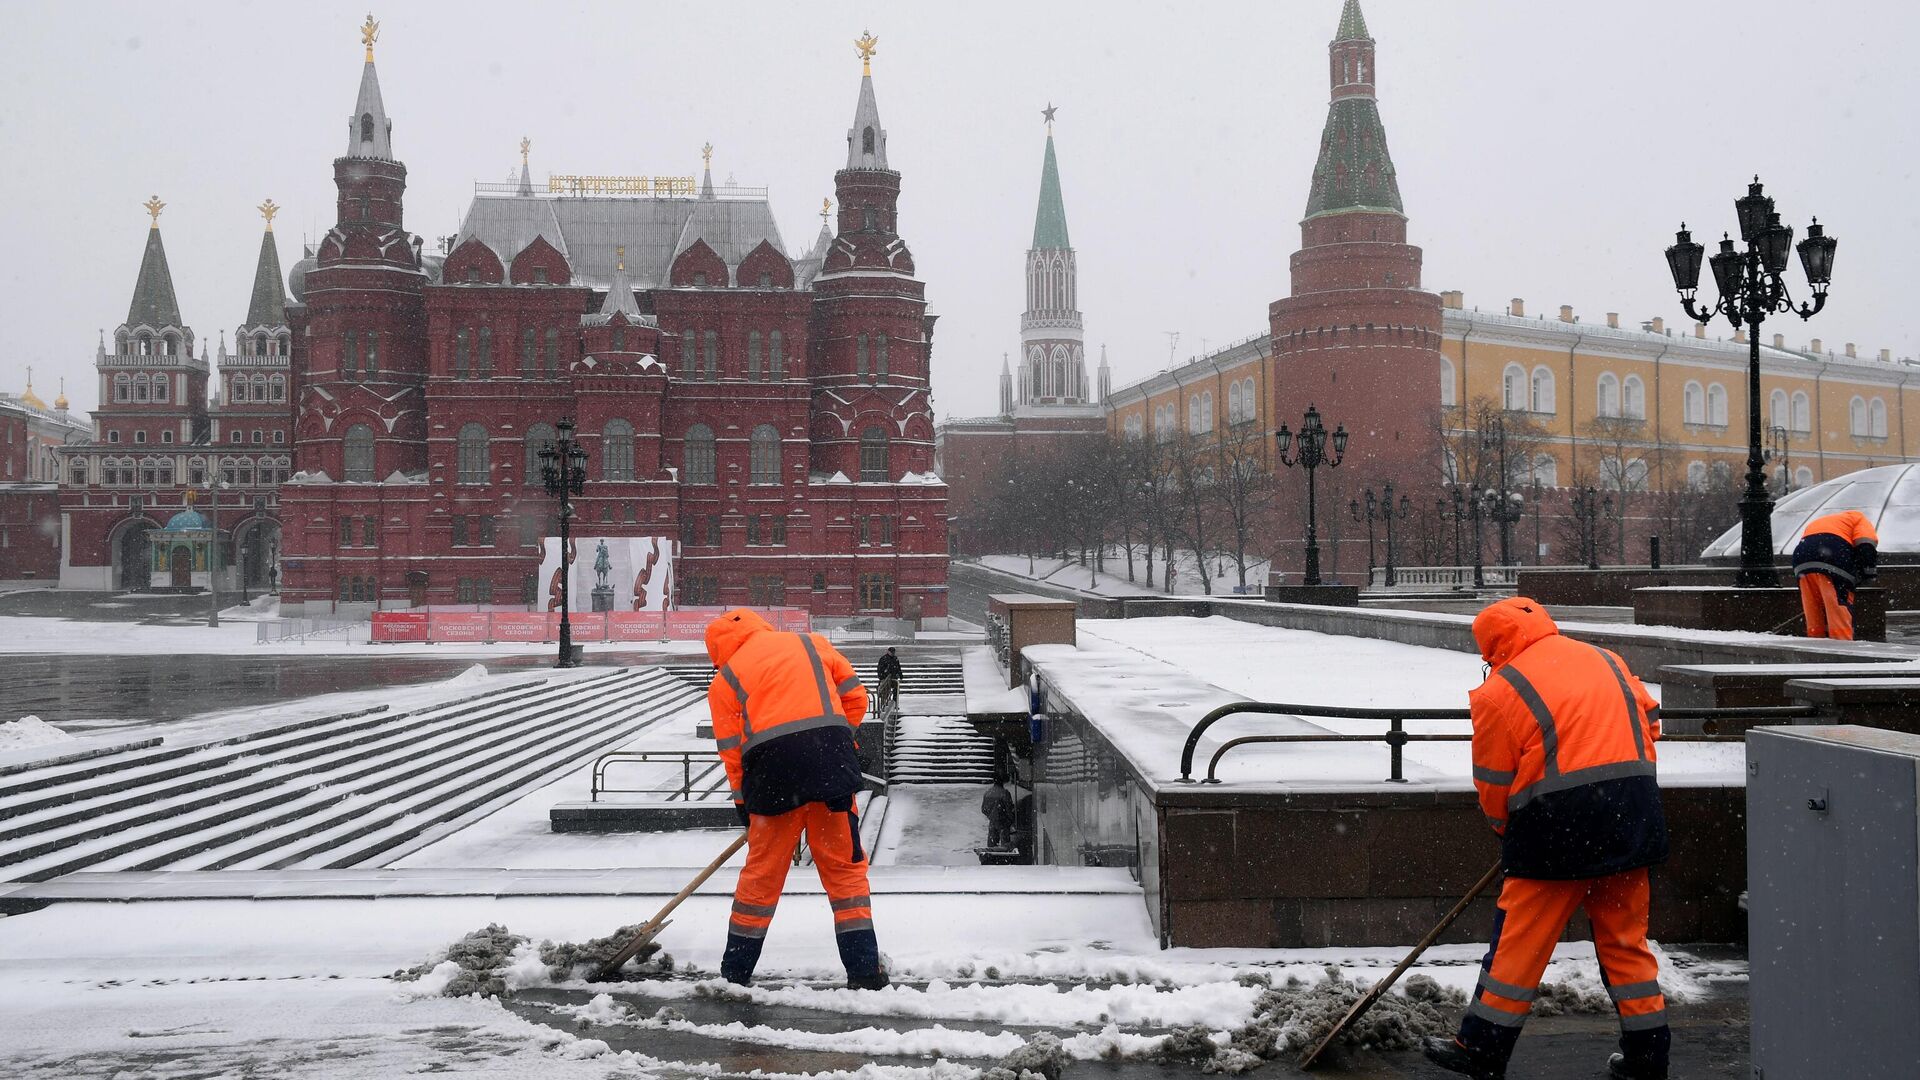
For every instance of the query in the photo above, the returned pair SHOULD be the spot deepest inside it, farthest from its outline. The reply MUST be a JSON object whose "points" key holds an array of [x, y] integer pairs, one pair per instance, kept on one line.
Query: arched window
{"points": [[553, 352], [539, 437], [1693, 404], [1206, 411], [259, 344], [483, 354], [616, 451], [1717, 405], [873, 456], [350, 355], [529, 353], [461, 343], [277, 387], [1546, 471], [1857, 416], [373, 351], [141, 386], [259, 388], [366, 127], [1448, 395], [237, 389], [753, 356], [1779, 414], [1543, 397], [880, 354], [866, 140], [1635, 473], [766, 455], [1135, 426], [122, 386], [1633, 398], [776, 357], [1802, 477], [1513, 388], [1877, 418], [699, 455], [162, 387], [1606, 398], [1696, 475], [471, 454], [1802, 412], [1233, 403], [360, 453]]}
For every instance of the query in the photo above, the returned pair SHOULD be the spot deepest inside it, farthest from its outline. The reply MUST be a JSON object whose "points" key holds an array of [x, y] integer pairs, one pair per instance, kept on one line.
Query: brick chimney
{"points": [[1886, 356], [1659, 325], [1613, 320], [1815, 346], [1700, 330], [1517, 309], [1852, 354], [1740, 336], [1566, 312], [1779, 341]]}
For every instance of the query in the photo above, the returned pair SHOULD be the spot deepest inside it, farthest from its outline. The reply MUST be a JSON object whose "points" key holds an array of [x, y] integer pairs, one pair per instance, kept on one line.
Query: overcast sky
{"points": [[1545, 150]]}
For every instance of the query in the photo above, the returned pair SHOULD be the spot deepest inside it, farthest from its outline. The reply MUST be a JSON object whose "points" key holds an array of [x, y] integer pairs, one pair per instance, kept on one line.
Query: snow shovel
{"points": [[1360, 1007], [650, 929]]}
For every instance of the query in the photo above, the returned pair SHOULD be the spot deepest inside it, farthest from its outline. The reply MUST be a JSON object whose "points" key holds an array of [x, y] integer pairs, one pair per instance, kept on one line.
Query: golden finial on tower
{"points": [[706, 155], [369, 33], [865, 44], [267, 210], [826, 208], [154, 206], [620, 254], [526, 144]]}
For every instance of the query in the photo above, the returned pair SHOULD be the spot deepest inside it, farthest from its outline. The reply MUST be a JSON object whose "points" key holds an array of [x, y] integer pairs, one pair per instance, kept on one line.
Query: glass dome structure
{"points": [[1889, 495]]}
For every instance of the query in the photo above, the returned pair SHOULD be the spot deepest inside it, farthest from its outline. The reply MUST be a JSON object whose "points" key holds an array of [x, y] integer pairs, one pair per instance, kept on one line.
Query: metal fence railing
{"points": [[700, 773], [302, 629], [1397, 737]]}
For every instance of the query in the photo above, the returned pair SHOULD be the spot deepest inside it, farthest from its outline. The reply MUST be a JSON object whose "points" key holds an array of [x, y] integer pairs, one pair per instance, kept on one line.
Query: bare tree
{"points": [[1623, 468], [1245, 490], [1192, 464]]}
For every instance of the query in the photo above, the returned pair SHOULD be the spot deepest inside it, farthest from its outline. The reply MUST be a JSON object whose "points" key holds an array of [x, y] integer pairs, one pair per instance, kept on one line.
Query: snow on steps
{"points": [[332, 792], [938, 750]]}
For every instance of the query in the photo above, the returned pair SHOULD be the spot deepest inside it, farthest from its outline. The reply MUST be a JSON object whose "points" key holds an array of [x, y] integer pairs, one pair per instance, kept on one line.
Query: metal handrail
{"points": [[709, 758], [1397, 737]]}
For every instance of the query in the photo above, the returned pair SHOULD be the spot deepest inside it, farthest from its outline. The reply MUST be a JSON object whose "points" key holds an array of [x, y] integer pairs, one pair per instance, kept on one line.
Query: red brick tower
{"points": [[1358, 337], [359, 333]]}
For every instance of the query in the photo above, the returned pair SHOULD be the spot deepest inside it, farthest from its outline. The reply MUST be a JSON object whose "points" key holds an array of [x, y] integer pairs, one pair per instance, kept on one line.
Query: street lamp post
{"points": [[1310, 452], [1751, 288], [1353, 508], [1781, 446], [1506, 510], [213, 553], [563, 467], [1476, 499], [1587, 508], [1387, 514]]}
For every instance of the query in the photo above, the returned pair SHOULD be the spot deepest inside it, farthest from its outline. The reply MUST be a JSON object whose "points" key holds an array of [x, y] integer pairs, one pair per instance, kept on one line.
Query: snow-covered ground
{"points": [[932, 825], [1222, 574]]}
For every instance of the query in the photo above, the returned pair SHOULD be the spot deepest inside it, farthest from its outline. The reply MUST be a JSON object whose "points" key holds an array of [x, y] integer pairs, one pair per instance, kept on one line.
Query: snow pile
{"points": [[1041, 1058], [493, 960], [30, 731], [473, 675]]}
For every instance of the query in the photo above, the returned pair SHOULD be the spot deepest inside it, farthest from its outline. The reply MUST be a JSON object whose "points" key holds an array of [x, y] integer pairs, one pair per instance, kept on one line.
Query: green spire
{"points": [[1354, 172], [1353, 25], [1050, 221], [153, 301], [268, 305]]}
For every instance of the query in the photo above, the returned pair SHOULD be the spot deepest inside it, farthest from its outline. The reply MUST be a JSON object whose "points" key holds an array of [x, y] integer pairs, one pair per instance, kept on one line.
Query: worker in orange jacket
{"points": [[1835, 553], [1563, 759], [785, 707]]}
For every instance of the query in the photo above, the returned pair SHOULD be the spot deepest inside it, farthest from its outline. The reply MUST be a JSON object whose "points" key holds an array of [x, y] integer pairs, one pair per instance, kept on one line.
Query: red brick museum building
{"points": [[764, 410]]}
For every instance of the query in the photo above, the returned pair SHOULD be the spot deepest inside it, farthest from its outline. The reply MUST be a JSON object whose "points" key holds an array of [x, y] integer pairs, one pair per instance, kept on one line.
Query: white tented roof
{"points": [[1889, 495]]}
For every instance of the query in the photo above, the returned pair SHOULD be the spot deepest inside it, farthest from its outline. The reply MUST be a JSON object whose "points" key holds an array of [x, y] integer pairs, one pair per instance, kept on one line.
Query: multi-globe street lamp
{"points": [[1780, 445], [1506, 509], [1381, 509], [1751, 288], [1353, 508], [1310, 452], [563, 468]]}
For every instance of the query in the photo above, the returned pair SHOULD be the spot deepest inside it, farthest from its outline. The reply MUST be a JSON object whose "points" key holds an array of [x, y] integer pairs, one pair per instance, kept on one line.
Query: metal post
{"points": [[1473, 516], [1312, 576], [1386, 512], [213, 558], [1756, 505]]}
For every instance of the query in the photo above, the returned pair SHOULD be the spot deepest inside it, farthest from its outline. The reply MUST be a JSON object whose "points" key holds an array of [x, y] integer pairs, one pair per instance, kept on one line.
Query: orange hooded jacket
{"points": [[785, 706], [1563, 750]]}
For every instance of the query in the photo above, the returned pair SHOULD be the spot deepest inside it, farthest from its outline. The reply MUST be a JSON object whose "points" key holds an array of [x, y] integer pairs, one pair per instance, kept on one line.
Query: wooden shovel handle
{"points": [[652, 926]]}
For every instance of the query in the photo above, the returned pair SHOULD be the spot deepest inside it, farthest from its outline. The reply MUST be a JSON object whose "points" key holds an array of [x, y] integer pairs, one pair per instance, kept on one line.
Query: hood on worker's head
{"points": [[727, 633], [1504, 630]]}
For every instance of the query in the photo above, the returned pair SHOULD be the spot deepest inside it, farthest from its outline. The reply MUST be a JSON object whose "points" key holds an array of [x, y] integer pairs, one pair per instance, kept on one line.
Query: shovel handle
{"points": [[1380, 988], [658, 922]]}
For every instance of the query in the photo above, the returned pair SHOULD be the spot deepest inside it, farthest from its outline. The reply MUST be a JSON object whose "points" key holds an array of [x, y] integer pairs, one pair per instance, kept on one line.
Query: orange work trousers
{"points": [[1827, 606], [834, 838], [1533, 914]]}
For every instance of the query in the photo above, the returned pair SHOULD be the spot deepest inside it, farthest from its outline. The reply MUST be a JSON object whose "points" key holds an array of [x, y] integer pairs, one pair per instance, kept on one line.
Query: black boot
{"points": [[1449, 1054], [742, 955], [1619, 1068]]}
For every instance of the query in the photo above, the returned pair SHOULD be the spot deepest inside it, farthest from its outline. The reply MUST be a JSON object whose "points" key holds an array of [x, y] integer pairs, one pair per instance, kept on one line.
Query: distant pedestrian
{"points": [[890, 674], [997, 805], [1837, 552]]}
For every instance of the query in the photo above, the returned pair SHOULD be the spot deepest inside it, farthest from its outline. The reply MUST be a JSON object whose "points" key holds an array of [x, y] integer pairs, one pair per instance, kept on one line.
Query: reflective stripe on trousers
{"points": [[834, 839]]}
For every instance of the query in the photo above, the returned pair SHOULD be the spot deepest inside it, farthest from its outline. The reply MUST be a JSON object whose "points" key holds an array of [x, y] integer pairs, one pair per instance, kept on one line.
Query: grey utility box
{"points": [[1833, 869]]}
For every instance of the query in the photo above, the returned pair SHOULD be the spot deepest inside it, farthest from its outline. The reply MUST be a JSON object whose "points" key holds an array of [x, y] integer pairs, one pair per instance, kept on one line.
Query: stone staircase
{"points": [[353, 789]]}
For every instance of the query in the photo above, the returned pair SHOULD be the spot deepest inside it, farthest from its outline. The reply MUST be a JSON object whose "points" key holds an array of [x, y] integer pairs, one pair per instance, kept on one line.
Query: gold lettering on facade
{"points": [[656, 186]]}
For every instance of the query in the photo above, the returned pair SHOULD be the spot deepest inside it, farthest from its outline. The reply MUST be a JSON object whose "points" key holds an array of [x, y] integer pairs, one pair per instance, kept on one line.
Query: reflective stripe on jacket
{"points": [[1843, 546], [784, 709], [1563, 750]]}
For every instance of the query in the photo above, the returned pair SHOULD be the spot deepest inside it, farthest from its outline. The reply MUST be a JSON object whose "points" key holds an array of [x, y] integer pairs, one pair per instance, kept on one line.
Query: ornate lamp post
{"points": [[1751, 288], [1587, 508], [1310, 454], [1388, 513], [1449, 509], [1353, 508], [563, 467], [1780, 445], [1506, 509]]}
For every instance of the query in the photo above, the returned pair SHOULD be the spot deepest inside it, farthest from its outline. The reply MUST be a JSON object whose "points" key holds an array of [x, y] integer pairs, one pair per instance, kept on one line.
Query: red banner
{"points": [[525, 626], [460, 626], [690, 624], [399, 626], [636, 626], [796, 619], [587, 626]]}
